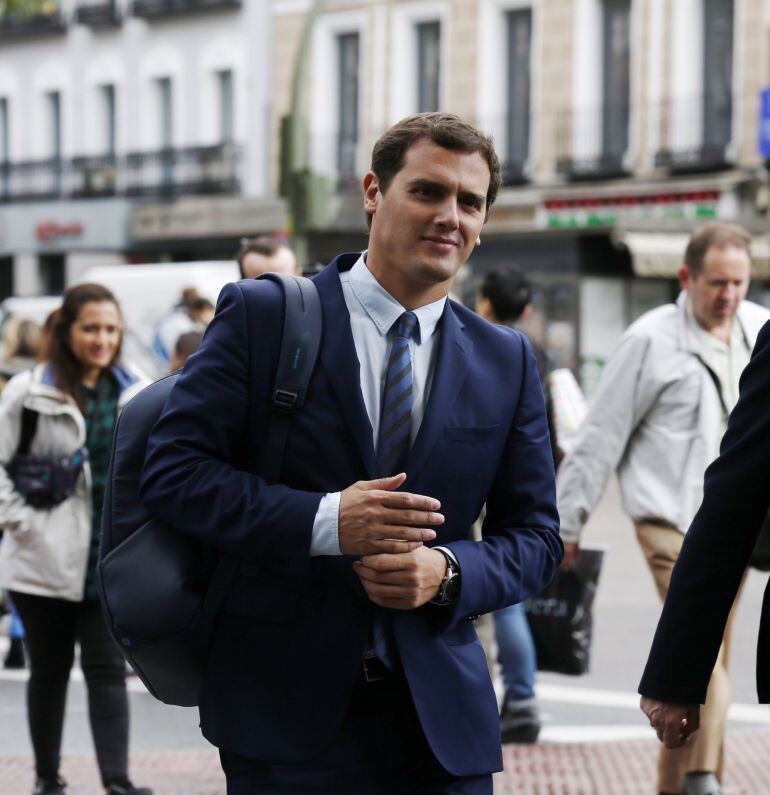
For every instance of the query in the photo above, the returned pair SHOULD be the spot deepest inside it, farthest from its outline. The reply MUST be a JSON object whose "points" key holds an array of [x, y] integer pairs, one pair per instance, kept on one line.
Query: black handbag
{"points": [[161, 589], [43, 481], [561, 618]]}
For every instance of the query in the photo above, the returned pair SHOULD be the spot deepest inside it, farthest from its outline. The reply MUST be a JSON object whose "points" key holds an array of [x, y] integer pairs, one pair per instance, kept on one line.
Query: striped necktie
{"points": [[396, 412]]}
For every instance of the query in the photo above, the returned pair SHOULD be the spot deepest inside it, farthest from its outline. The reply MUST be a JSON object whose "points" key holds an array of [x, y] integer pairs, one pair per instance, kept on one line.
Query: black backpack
{"points": [[161, 589]]}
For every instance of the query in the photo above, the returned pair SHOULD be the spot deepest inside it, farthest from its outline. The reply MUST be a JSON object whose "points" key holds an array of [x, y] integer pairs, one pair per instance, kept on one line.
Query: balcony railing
{"points": [[97, 14], [695, 133], [168, 172], [32, 180], [163, 8], [15, 24], [592, 143], [210, 170]]}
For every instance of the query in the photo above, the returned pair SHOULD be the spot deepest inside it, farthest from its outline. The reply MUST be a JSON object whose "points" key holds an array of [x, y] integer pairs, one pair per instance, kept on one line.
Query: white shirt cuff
{"points": [[325, 539]]}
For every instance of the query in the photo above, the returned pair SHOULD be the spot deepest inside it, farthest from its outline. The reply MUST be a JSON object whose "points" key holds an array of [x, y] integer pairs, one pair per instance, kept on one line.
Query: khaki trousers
{"points": [[661, 544]]}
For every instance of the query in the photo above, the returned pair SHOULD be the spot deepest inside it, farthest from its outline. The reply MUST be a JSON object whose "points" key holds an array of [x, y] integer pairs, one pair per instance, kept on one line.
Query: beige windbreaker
{"points": [[656, 418]]}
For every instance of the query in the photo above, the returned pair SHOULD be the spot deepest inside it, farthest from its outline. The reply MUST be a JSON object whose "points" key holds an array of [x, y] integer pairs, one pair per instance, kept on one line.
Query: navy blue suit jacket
{"points": [[290, 636], [716, 551]]}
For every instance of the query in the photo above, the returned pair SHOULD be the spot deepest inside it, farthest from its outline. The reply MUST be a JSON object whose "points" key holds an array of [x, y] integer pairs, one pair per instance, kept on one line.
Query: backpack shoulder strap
{"points": [[29, 418], [300, 343]]}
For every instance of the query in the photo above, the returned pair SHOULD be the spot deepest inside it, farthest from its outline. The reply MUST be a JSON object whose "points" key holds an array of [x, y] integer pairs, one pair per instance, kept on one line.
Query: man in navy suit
{"points": [[345, 657]]}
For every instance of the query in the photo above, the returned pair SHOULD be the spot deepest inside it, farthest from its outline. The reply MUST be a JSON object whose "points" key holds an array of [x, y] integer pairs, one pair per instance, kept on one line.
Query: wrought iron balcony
{"points": [[32, 180], [197, 170], [91, 177], [163, 8], [592, 143], [97, 14], [695, 134], [208, 170], [16, 24]]}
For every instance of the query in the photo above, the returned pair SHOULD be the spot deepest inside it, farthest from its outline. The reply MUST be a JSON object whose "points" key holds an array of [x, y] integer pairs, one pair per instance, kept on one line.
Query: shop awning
{"points": [[659, 255]]}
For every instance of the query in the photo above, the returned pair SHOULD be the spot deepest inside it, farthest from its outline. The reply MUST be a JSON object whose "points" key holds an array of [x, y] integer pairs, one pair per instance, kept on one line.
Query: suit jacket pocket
{"points": [[464, 632], [471, 434], [265, 595]]}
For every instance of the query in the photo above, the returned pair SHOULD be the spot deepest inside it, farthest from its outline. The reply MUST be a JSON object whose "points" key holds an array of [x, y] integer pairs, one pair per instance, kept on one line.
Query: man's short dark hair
{"points": [[718, 234], [266, 245], [187, 343], [509, 291], [443, 129]]}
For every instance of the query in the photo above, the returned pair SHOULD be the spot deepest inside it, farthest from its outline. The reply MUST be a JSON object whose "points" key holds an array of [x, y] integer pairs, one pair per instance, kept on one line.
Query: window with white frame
{"points": [[717, 75], [616, 78], [226, 106], [428, 40], [348, 93], [518, 81], [699, 112], [109, 121], [164, 90], [53, 104], [5, 143]]}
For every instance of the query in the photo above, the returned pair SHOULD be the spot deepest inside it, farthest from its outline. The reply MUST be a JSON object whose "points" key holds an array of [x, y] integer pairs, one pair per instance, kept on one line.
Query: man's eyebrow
{"points": [[423, 182]]}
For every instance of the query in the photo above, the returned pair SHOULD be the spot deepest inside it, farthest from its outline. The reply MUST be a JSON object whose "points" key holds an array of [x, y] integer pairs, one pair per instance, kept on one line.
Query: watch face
{"points": [[452, 588]]}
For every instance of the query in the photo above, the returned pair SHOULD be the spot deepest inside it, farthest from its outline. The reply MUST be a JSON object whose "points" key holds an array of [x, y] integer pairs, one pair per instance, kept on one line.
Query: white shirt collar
{"points": [[382, 307]]}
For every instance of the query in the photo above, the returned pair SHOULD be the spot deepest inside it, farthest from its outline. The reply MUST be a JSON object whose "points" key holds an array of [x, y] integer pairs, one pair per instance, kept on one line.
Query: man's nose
{"points": [[448, 214]]}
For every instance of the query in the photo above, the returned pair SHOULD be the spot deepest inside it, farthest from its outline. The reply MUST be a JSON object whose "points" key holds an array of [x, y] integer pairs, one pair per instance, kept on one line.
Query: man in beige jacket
{"points": [[657, 418]]}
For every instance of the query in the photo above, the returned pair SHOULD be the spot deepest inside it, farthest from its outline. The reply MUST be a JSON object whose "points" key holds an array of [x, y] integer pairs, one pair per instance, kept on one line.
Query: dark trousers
{"points": [[380, 750], [53, 626]]}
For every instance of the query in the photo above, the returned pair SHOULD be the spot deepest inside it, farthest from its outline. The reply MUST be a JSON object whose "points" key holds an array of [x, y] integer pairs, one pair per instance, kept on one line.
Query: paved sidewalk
{"points": [[620, 768]]}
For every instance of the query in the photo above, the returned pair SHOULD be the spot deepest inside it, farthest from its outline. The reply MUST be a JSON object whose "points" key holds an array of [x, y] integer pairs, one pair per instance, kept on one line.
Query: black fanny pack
{"points": [[43, 482]]}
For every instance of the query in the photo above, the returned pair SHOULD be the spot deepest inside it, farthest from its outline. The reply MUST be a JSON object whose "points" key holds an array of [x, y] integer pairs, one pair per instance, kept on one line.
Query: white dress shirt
{"points": [[373, 312]]}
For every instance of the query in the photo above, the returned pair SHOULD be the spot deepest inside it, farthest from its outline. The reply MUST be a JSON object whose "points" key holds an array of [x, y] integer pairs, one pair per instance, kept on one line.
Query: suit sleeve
{"points": [[717, 547], [520, 549], [194, 478]]}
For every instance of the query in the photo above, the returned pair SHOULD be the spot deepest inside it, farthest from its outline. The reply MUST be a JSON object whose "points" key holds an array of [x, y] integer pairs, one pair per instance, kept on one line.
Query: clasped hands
{"points": [[387, 529], [673, 723]]}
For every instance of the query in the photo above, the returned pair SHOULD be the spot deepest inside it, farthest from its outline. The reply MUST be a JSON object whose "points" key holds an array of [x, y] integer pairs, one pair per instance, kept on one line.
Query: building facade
{"points": [[621, 124], [131, 131]]}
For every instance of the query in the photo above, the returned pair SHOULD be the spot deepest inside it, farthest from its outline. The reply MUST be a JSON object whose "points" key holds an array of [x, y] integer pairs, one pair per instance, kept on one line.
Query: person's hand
{"points": [[374, 518], [674, 723], [571, 554], [403, 581]]}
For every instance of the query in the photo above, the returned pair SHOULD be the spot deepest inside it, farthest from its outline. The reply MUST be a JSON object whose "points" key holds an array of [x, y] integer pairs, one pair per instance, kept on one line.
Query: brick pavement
{"points": [[619, 768]]}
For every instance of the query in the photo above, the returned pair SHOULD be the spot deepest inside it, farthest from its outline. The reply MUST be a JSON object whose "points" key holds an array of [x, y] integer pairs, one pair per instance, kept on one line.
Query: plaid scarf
{"points": [[100, 411]]}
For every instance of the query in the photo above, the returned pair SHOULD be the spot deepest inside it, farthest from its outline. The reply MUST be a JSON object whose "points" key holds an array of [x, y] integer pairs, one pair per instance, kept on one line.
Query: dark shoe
{"points": [[127, 788], [15, 657], [701, 783], [519, 722], [45, 786]]}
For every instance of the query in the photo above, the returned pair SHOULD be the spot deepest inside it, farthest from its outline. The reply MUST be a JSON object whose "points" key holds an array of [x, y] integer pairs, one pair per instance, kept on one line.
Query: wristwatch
{"points": [[449, 589]]}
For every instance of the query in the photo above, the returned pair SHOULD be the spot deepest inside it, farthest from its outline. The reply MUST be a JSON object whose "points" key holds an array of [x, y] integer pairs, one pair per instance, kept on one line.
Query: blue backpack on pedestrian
{"points": [[161, 589]]}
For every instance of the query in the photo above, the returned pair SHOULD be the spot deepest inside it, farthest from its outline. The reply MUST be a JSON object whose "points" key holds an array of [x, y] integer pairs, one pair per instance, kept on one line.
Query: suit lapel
{"points": [[339, 359], [448, 377]]}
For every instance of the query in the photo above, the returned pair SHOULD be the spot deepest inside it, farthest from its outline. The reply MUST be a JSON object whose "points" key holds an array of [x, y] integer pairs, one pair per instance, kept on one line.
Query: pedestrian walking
{"points": [[505, 297], [51, 496], [657, 417], [345, 658]]}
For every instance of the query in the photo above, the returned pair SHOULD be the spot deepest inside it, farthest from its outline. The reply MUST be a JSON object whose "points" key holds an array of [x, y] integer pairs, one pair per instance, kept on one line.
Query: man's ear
{"points": [[371, 192], [684, 274]]}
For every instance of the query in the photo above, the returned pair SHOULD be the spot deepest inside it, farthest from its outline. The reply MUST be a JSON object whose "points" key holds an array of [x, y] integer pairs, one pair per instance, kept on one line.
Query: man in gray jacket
{"points": [[657, 418]]}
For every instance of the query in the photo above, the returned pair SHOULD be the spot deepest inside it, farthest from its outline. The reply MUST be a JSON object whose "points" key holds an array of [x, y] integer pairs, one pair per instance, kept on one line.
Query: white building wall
{"points": [[189, 48]]}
